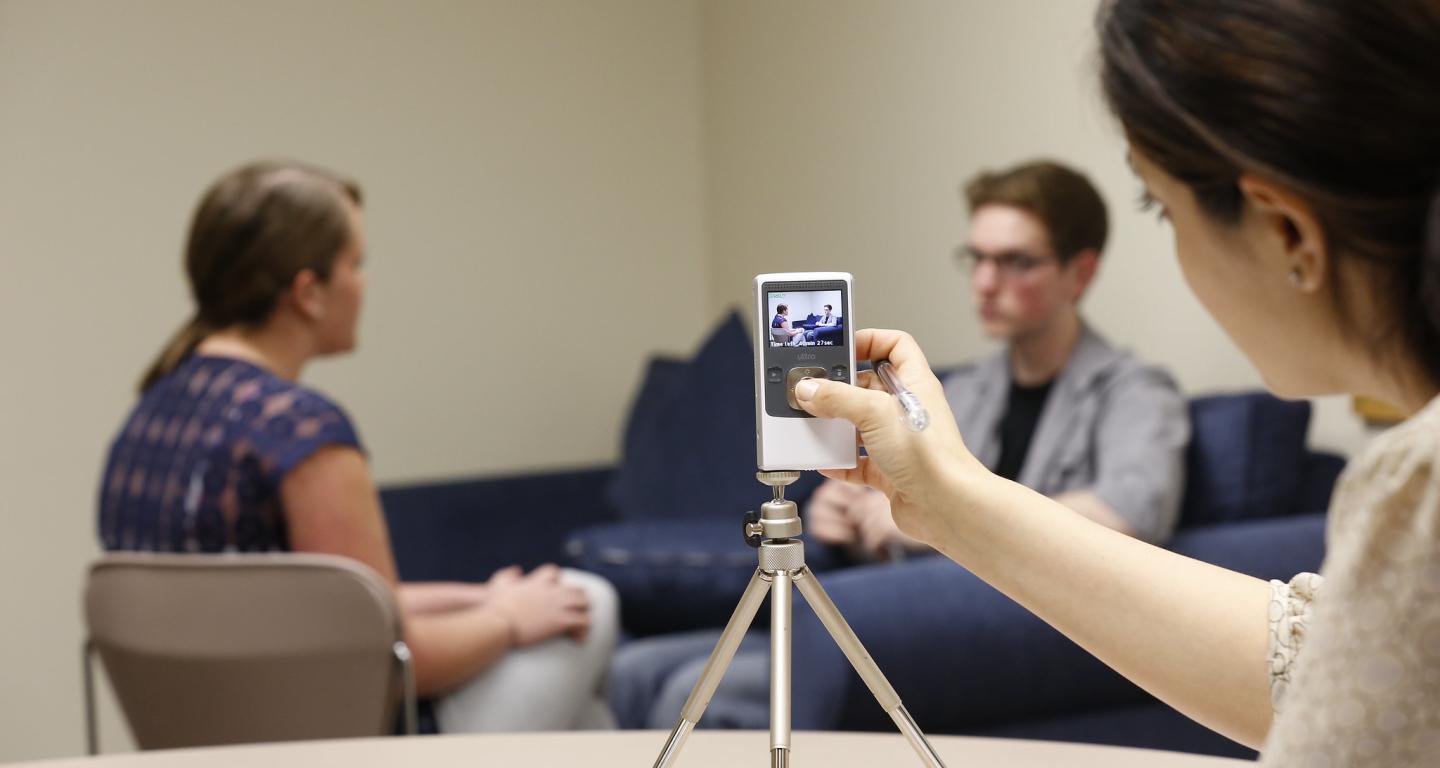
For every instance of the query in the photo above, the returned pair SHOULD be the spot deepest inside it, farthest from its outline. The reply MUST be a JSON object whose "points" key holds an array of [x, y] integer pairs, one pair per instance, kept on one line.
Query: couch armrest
{"points": [[963, 656], [467, 529], [1269, 548]]}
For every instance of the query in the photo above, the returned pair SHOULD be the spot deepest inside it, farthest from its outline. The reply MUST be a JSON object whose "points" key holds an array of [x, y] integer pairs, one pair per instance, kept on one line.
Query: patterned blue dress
{"points": [[197, 466]]}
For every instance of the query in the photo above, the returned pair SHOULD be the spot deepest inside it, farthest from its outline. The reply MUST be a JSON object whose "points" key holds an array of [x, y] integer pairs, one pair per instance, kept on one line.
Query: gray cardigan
{"points": [[1111, 425]]}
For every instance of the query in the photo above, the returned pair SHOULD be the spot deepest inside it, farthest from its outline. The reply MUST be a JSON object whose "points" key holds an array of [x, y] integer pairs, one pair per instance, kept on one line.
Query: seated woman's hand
{"points": [[538, 605], [920, 472]]}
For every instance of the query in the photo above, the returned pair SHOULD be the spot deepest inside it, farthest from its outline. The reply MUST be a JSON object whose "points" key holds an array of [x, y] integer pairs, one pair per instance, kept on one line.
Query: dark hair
{"points": [[781, 309], [1335, 100], [1062, 198], [256, 229], [827, 306]]}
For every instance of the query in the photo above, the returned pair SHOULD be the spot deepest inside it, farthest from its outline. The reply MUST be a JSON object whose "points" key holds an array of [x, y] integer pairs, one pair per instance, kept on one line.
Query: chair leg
{"points": [[92, 736], [404, 666]]}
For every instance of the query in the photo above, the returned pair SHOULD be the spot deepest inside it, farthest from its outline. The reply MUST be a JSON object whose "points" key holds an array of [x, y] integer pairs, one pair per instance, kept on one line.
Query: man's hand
{"points": [[878, 534], [827, 514]]}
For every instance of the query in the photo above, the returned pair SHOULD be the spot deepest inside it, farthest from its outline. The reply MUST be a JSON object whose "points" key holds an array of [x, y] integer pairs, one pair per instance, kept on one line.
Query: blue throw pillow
{"points": [[662, 379], [690, 440], [1246, 458]]}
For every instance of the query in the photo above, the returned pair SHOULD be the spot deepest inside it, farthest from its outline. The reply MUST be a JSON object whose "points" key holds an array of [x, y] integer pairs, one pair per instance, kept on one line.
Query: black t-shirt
{"points": [[1017, 426]]}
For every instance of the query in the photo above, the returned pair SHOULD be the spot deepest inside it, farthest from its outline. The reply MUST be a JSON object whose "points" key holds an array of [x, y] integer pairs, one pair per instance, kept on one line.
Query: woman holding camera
{"points": [[226, 451], [1292, 146]]}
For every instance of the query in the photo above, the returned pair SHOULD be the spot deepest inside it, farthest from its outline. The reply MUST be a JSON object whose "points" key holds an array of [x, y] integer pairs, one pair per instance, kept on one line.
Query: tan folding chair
{"points": [[230, 648]]}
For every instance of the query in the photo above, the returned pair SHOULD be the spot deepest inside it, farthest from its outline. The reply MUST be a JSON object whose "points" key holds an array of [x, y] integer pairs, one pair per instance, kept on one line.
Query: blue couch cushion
{"points": [[1246, 458], [671, 575], [690, 439], [677, 575]]}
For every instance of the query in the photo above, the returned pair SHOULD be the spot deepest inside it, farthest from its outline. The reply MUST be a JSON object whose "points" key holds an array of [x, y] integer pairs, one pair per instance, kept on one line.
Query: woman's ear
{"points": [[306, 291], [1289, 230]]}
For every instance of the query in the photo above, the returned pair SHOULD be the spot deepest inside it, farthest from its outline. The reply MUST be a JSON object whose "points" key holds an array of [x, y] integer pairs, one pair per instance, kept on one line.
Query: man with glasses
{"points": [[1058, 410], [827, 320]]}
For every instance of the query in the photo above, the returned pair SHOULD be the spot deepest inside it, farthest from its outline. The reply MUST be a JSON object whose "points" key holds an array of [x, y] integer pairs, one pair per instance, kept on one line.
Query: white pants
{"points": [[556, 685]]}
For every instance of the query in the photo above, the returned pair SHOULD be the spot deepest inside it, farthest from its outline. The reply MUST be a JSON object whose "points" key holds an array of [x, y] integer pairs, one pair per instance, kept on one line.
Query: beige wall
{"points": [[838, 133], [532, 172], [543, 178]]}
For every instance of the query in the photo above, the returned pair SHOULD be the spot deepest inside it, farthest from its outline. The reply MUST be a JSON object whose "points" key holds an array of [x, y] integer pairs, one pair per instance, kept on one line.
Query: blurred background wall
{"points": [[555, 190], [533, 187], [839, 134]]}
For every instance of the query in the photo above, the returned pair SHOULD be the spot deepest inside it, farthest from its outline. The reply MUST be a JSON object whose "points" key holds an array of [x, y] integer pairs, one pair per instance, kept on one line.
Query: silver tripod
{"points": [[782, 562]]}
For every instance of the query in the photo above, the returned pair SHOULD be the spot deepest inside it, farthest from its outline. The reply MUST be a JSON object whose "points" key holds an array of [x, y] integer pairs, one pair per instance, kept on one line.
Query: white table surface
{"points": [[638, 749]]}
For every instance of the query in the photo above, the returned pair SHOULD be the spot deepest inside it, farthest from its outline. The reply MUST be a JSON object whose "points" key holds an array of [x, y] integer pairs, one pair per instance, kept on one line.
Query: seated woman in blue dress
{"points": [[227, 451], [782, 332]]}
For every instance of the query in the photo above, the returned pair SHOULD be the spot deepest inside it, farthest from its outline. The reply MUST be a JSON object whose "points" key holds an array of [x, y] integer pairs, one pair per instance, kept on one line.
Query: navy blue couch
{"points": [[664, 527]]}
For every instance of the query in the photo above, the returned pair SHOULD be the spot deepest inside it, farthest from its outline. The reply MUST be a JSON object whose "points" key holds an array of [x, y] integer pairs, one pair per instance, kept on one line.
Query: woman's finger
{"points": [[838, 400], [865, 473], [548, 572], [898, 347]]}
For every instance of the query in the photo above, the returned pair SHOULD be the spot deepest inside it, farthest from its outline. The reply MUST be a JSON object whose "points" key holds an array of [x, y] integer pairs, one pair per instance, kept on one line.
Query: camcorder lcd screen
{"points": [[806, 319]]}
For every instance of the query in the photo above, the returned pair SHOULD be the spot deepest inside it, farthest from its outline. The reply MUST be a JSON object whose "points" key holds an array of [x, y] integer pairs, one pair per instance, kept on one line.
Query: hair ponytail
{"points": [[180, 346], [255, 229]]}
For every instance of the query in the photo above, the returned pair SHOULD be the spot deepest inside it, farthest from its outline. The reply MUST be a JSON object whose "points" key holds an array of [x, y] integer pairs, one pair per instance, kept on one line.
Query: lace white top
{"points": [[1355, 655]]}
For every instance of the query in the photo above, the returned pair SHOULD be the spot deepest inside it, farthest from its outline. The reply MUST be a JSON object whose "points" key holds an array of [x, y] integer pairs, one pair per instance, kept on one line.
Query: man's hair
{"points": [[1062, 198], [781, 308], [827, 306]]}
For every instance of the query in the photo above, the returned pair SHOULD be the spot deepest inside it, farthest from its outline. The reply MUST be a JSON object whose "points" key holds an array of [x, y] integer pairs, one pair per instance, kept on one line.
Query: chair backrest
{"points": [[228, 648], [780, 334]]}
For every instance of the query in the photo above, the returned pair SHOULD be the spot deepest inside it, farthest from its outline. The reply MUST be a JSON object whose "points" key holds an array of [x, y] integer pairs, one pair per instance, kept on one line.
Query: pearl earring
{"points": [[1295, 277]]}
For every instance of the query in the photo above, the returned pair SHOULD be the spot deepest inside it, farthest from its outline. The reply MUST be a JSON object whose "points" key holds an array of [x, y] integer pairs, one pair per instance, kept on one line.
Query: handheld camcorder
{"points": [[804, 329]]}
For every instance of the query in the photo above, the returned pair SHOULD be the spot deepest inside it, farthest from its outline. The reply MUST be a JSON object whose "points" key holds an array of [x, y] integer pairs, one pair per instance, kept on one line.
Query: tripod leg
{"points": [[780, 670], [715, 668], [865, 666]]}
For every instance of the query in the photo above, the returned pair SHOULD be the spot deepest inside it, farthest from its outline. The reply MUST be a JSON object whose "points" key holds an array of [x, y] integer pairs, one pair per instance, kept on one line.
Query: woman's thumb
{"points": [[838, 400]]}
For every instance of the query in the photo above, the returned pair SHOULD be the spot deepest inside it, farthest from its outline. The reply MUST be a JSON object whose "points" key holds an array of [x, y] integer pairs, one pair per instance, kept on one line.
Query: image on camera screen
{"points": [[806, 319]]}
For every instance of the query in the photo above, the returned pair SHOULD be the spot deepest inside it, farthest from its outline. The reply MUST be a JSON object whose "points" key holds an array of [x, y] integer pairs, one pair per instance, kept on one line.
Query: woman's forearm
{"points": [[416, 597], [1192, 634], [450, 648]]}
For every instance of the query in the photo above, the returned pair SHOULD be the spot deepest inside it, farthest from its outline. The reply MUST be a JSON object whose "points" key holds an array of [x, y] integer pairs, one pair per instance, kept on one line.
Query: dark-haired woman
{"points": [[1294, 146], [227, 452]]}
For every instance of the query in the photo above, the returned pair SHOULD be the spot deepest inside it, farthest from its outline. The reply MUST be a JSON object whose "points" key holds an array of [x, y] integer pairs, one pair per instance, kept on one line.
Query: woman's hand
{"points": [[917, 471], [538, 606]]}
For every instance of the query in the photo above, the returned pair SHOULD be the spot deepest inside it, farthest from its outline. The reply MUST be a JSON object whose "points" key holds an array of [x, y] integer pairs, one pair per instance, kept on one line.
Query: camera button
{"points": [[794, 376], [840, 373]]}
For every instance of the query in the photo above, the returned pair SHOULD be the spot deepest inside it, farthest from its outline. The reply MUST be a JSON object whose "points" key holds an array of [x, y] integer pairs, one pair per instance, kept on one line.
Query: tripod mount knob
{"points": [[777, 479], [752, 529]]}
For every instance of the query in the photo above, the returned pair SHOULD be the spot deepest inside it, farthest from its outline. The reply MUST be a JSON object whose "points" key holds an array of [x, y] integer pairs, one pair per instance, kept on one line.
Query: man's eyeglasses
{"points": [[1010, 264]]}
